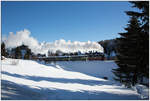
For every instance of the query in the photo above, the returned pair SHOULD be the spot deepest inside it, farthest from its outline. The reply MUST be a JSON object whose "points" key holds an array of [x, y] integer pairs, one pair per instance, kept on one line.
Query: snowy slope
{"points": [[26, 79], [98, 69]]}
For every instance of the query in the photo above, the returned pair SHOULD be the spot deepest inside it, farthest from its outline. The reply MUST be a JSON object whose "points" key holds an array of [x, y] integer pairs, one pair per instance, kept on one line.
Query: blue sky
{"points": [[75, 21]]}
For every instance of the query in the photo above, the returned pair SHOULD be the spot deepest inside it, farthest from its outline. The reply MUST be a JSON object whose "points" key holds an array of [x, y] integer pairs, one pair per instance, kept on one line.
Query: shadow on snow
{"points": [[13, 91], [59, 80]]}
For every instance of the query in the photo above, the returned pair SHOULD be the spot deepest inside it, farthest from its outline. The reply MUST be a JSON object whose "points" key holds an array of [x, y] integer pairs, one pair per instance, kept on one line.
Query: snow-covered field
{"points": [[80, 80]]}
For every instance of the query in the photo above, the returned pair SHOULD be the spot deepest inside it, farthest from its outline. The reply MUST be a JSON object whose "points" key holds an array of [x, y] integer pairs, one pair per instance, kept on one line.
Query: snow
{"points": [[142, 90], [93, 68], [79, 80]]}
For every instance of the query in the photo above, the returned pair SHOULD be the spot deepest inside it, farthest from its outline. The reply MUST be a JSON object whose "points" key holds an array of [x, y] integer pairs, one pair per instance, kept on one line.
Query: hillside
{"points": [[26, 79]]}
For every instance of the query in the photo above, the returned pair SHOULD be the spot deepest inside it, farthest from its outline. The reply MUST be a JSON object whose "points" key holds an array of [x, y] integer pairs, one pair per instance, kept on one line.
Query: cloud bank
{"points": [[23, 37]]}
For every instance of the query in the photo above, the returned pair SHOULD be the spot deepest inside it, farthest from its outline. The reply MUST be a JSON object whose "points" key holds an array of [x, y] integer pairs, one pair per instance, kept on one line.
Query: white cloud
{"points": [[23, 37]]}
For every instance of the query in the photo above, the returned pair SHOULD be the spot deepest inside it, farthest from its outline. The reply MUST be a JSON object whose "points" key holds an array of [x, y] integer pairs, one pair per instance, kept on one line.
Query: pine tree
{"points": [[28, 54], [3, 50], [144, 39], [109, 47], [127, 54], [18, 53], [133, 47], [143, 15]]}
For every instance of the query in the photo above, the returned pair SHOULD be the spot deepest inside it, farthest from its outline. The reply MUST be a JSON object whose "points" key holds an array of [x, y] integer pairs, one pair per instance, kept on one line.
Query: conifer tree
{"points": [[133, 47], [28, 54], [143, 15], [3, 50], [18, 53], [144, 39], [127, 54]]}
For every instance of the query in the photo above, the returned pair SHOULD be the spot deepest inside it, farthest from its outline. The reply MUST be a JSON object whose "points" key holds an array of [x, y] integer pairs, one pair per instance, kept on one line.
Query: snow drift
{"points": [[23, 37]]}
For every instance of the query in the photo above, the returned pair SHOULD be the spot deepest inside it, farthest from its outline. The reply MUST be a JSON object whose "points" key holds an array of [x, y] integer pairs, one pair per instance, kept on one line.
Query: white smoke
{"points": [[23, 37]]}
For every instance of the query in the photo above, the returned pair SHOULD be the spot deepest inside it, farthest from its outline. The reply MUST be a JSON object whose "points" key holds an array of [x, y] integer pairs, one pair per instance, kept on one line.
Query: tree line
{"points": [[109, 47], [20, 52]]}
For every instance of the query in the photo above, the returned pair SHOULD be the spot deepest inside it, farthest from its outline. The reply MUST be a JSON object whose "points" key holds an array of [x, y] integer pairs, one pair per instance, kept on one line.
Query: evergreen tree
{"points": [[133, 47], [144, 39], [143, 15], [109, 47], [127, 54], [28, 54], [3, 50], [18, 53]]}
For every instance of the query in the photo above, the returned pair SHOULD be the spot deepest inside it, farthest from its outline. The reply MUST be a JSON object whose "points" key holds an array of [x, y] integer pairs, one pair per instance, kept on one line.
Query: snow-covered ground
{"points": [[80, 80]]}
